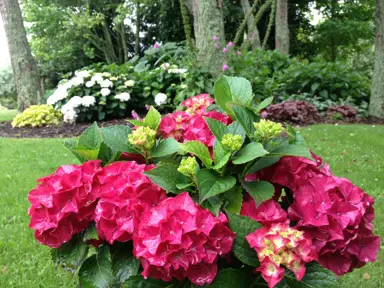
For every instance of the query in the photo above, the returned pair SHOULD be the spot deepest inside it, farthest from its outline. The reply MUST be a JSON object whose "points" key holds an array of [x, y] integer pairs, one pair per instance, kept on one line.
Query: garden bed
{"points": [[73, 130]]}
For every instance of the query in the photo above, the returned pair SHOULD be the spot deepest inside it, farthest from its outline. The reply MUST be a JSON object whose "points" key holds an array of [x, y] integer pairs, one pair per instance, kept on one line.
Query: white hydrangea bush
{"points": [[98, 95]]}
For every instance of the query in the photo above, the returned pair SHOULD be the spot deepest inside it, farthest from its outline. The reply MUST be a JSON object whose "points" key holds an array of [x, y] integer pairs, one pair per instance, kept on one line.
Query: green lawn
{"points": [[7, 115], [353, 151]]}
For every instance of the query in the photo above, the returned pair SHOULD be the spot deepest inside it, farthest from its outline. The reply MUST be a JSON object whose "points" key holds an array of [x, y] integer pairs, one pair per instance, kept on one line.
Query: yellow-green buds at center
{"points": [[188, 166], [266, 129], [143, 137], [231, 142]]}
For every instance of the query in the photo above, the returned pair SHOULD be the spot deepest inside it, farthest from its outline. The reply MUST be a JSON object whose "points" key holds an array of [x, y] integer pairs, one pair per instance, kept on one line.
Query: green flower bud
{"points": [[143, 137], [188, 166], [147, 88], [232, 142], [266, 129]]}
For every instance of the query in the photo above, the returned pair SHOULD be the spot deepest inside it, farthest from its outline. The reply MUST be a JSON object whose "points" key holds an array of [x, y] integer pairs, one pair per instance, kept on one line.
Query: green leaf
{"points": [[87, 154], [91, 233], [241, 90], [223, 161], [153, 118], [200, 150], [259, 190], [107, 155], [234, 199], [292, 150], [166, 147], [231, 278], [71, 254], [136, 122], [70, 144], [167, 177], [217, 128], [236, 128], [116, 137], [210, 184], [213, 204], [262, 163], [315, 277], [139, 282], [246, 118], [124, 264], [315, 86], [182, 186], [91, 138], [96, 271], [264, 104], [249, 152], [242, 226], [223, 94]]}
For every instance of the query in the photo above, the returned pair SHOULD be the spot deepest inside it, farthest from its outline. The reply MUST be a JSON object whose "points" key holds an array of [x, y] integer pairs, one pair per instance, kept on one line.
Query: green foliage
{"points": [[8, 95], [326, 81], [37, 116]]}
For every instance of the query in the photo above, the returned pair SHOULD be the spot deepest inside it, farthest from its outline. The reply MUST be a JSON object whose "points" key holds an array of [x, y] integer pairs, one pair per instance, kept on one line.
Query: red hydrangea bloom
{"points": [[63, 203], [338, 217], [179, 239], [269, 212], [278, 245], [174, 125], [191, 125], [334, 213], [198, 129], [198, 104], [125, 193], [288, 170]]}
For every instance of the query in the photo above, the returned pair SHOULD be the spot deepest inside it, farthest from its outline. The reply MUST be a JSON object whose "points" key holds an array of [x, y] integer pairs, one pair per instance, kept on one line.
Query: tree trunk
{"points": [[282, 30], [186, 24], [253, 33], [24, 67], [376, 107], [137, 34], [208, 22]]}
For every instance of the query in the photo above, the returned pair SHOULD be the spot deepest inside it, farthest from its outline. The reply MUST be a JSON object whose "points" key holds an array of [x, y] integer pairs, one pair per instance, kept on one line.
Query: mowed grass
{"points": [[7, 115], [355, 152]]}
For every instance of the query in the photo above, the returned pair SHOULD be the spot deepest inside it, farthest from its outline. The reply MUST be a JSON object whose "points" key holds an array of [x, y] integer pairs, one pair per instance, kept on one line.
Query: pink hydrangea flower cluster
{"points": [[190, 124], [334, 213], [63, 203], [179, 239], [125, 193], [279, 245]]}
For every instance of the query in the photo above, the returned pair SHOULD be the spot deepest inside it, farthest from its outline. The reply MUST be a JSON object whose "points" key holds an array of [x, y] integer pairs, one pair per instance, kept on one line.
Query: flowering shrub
{"points": [[196, 199], [97, 94], [37, 116]]}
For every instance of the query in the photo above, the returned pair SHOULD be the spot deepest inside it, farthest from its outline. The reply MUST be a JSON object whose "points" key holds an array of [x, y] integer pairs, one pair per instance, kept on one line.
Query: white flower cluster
{"points": [[69, 109], [62, 90], [129, 83], [160, 99], [123, 97], [177, 71]]}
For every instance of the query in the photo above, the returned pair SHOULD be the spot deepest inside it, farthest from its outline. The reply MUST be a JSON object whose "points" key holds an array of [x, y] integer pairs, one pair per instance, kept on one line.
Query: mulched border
{"points": [[73, 130]]}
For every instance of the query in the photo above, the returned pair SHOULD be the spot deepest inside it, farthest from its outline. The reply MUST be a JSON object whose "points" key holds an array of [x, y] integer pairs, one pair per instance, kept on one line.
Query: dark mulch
{"points": [[68, 130], [61, 131]]}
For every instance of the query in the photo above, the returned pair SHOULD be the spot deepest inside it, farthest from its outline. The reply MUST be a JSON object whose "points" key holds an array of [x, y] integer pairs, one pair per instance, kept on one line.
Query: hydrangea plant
{"points": [[210, 196]]}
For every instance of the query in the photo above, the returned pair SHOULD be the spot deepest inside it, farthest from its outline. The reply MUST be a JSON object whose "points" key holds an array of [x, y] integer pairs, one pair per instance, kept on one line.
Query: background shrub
{"points": [[37, 116], [8, 96], [345, 111], [299, 112]]}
